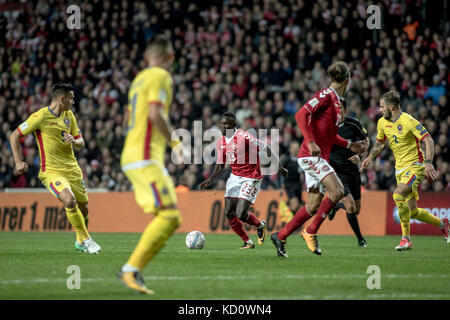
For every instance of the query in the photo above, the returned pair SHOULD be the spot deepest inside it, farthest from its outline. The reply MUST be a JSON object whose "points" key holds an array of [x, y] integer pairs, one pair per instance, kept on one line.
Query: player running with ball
{"points": [[319, 121], [242, 152], [404, 134]]}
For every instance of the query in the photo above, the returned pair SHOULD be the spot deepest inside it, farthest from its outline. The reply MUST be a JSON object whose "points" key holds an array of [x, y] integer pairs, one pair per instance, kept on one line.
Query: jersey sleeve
{"points": [[32, 123], [159, 88], [318, 102], [381, 137], [418, 129], [74, 129]]}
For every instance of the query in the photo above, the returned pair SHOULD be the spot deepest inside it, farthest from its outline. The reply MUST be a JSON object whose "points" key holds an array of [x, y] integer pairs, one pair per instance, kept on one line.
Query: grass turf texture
{"points": [[33, 266]]}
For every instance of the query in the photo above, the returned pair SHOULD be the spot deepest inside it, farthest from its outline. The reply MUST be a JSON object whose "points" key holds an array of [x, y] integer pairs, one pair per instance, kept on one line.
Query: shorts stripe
{"points": [[411, 181], [41, 149], [54, 189], [156, 194]]}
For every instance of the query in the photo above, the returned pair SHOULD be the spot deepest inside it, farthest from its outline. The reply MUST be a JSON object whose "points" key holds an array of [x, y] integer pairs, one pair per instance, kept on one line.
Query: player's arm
{"points": [[376, 150], [429, 154], [21, 166], [302, 121], [218, 169], [281, 169], [77, 142], [28, 126]]}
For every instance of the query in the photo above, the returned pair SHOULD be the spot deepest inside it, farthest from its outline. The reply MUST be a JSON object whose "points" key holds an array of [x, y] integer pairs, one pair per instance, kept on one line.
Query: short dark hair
{"points": [[60, 89], [338, 71], [392, 97], [229, 114], [158, 44]]}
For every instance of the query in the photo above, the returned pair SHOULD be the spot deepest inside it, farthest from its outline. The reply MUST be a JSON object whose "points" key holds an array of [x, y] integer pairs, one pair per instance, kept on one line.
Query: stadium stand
{"points": [[260, 59]]}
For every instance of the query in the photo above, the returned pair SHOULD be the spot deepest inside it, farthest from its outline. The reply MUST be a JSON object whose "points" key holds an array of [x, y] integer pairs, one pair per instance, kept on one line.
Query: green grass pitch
{"points": [[34, 266]]}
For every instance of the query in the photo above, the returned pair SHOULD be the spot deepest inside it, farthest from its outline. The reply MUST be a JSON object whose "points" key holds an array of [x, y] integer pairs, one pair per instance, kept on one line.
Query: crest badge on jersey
{"points": [[67, 122], [400, 127]]}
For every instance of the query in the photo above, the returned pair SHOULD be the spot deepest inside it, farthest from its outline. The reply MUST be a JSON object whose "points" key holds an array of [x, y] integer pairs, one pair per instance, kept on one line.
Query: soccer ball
{"points": [[195, 240]]}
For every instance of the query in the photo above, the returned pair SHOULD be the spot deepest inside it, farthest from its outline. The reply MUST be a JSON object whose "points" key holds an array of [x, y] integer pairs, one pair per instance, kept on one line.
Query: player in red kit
{"points": [[319, 121], [241, 151]]}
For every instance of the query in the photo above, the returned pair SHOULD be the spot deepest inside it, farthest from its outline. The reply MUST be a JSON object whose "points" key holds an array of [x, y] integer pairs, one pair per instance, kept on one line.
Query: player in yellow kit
{"points": [[405, 134], [142, 159], [56, 132]]}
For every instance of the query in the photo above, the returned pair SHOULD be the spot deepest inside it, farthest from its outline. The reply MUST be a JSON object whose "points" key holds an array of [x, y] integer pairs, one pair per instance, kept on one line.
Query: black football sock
{"points": [[353, 221]]}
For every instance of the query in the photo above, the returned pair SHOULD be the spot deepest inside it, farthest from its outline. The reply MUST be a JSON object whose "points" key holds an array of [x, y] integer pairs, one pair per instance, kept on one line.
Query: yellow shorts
{"points": [[153, 188], [412, 177], [56, 182]]}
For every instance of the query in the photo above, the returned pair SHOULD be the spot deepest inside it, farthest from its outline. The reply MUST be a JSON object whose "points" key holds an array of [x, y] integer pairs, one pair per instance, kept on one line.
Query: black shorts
{"points": [[294, 191], [351, 179]]}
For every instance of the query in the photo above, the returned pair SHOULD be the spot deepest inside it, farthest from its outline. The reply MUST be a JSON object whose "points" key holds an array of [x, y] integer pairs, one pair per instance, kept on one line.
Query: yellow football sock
{"points": [[86, 222], [154, 237], [424, 215], [76, 219], [403, 214]]}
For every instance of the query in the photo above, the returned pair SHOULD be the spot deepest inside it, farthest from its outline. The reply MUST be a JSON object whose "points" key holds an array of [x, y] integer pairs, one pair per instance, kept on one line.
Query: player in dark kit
{"points": [[293, 182], [345, 163]]}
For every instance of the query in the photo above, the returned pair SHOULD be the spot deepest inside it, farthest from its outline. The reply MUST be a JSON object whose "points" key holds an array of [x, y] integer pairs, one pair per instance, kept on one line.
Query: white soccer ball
{"points": [[195, 240]]}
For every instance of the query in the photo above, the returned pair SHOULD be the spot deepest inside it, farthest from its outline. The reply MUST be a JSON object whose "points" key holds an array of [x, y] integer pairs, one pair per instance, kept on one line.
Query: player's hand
{"points": [[356, 147], [430, 171], [355, 159], [366, 162], [314, 149], [205, 184], [69, 138], [283, 171], [21, 167]]}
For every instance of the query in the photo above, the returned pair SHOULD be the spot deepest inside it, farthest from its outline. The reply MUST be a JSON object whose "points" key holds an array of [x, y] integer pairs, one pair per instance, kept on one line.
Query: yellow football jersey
{"points": [[145, 144], [404, 136], [49, 129]]}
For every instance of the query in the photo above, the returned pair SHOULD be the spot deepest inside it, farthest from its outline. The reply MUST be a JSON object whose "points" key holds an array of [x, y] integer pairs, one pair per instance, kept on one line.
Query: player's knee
{"points": [[69, 202], [351, 208], [337, 194], [230, 215], [242, 215]]}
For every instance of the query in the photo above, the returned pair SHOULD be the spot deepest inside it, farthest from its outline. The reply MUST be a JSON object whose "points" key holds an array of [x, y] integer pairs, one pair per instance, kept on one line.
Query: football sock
{"points": [[154, 237], [128, 268], [424, 215], [86, 222], [352, 219], [325, 206], [403, 214], [300, 217], [253, 220], [238, 228], [76, 219]]}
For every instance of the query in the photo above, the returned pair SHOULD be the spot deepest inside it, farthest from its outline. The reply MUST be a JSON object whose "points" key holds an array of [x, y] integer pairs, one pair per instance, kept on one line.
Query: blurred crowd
{"points": [[261, 59]]}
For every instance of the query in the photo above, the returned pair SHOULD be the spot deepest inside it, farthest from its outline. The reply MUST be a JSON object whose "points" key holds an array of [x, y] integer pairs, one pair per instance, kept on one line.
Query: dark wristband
{"points": [[428, 161]]}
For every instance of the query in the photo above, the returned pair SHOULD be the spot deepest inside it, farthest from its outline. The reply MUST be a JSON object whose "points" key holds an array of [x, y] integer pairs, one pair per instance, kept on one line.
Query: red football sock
{"points": [[253, 220], [321, 215], [238, 228], [300, 217]]}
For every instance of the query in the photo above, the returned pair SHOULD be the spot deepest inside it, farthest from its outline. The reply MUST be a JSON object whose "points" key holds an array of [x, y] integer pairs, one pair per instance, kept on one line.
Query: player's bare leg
{"points": [[335, 193], [235, 223], [76, 219], [242, 211]]}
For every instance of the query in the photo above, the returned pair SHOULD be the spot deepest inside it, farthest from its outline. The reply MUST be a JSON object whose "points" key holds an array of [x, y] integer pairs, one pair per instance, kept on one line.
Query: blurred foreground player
{"points": [[345, 162], [318, 121], [241, 151], [142, 158], [56, 132], [404, 134]]}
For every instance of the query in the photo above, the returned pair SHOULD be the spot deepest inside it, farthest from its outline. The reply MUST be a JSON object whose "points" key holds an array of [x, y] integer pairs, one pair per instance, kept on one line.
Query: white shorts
{"points": [[242, 188], [316, 169]]}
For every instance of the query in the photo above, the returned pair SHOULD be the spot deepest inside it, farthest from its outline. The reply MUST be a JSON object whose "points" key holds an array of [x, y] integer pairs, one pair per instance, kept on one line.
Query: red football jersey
{"points": [[241, 151], [323, 115]]}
